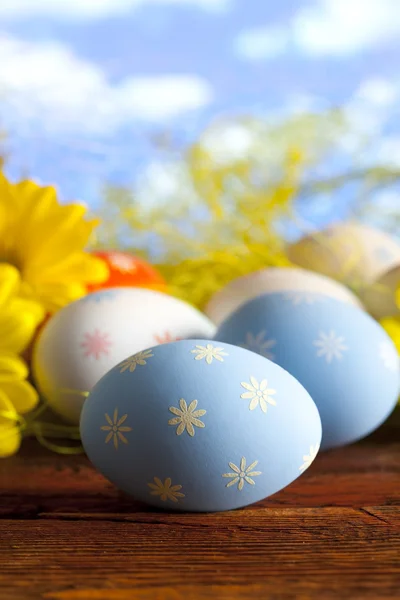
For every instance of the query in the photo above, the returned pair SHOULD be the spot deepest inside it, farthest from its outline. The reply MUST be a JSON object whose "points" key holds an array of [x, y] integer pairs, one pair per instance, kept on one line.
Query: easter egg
{"points": [[200, 426], [380, 297], [126, 270], [343, 358], [299, 284], [85, 339], [349, 252]]}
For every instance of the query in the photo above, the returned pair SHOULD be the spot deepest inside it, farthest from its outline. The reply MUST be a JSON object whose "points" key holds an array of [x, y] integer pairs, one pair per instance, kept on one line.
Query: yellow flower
{"points": [[115, 428], [133, 361], [309, 458], [18, 321], [209, 352], [258, 393], [242, 474], [10, 435], [392, 328], [45, 241], [165, 490], [186, 417]]}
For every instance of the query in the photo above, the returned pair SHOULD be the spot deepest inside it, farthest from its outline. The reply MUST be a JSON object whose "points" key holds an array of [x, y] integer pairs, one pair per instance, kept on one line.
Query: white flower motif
{"points": [[330, 346], [258, 393], [186, 417], [209, 352], [242, 474], [389, 356], [297, 298], [260, 345], [309, 458]]}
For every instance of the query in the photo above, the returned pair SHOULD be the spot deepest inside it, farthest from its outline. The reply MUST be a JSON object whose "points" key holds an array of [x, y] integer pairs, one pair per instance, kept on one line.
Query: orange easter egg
{"points": [[127, 270]]}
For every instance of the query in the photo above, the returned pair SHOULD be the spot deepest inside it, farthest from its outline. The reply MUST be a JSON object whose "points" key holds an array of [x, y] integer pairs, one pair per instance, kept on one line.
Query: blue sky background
{"points": [[83, 82]]}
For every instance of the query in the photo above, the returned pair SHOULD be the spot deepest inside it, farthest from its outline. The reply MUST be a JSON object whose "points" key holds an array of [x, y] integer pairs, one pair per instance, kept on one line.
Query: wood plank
{"points": [[366, 474], [290, 553]]}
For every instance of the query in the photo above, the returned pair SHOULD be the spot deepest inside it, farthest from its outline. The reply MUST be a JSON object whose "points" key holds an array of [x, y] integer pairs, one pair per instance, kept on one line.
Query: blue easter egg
{"points": [[197, 426], [344, 358]]}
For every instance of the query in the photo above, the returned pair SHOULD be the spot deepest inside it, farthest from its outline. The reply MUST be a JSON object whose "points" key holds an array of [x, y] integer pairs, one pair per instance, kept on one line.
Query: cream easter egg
{"points": [[87, 338], [380, 297], [352, 253], [299, 284]]}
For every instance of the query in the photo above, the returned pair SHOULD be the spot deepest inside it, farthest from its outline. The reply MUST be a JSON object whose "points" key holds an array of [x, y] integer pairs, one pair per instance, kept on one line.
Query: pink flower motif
{"points": [[95, 344], [166, 338]]}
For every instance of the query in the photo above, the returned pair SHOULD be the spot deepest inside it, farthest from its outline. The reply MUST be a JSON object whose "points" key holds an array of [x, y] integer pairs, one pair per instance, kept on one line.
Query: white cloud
{"points": [[387, 151], [261, 43], [341, 27], [47, 83], [378, 92], [326, 28], [93, 9]]}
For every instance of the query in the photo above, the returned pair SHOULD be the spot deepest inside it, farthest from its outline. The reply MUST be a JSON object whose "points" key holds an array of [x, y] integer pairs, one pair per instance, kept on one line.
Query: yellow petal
{"points": [[392, 328], [80, 266], [56, 295], [21, 394], [12, 368], [9, 282], [17, 327], [10, 434]]}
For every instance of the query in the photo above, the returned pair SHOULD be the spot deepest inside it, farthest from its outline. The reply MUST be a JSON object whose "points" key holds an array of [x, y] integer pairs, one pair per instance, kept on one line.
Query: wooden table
{"points": [[67, 534]]}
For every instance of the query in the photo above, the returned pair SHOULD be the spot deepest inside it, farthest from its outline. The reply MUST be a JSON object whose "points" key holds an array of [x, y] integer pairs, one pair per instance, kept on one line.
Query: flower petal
{"points": [[12, 367], [22, 394], [122, 420], [180, 429], [175, 421], [249, 395], [247, 386], [109, 436], [198, 423], [199, 413], [240, 484], [243, 464], [254, 403], [10, 434], [122, 437], [234, 467], [254, 383], [190, 429], [192, 406], [253, 464], [9, 282], [183, 405], [232, 482]]}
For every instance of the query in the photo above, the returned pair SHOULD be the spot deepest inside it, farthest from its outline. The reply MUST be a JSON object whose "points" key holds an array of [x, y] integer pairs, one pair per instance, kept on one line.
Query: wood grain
{"points": [[67, 534]]}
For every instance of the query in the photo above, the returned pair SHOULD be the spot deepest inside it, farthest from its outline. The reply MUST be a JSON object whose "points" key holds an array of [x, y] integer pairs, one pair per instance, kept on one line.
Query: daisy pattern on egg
{"points": [[209, 353], [260, 344], [297, 298], [330, 346], [258, 393]]}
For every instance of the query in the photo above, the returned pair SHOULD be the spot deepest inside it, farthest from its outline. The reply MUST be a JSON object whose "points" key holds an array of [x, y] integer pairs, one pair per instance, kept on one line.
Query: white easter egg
{"points": [[90, 336], [299, 284], [380, 297], [352, 253]]}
